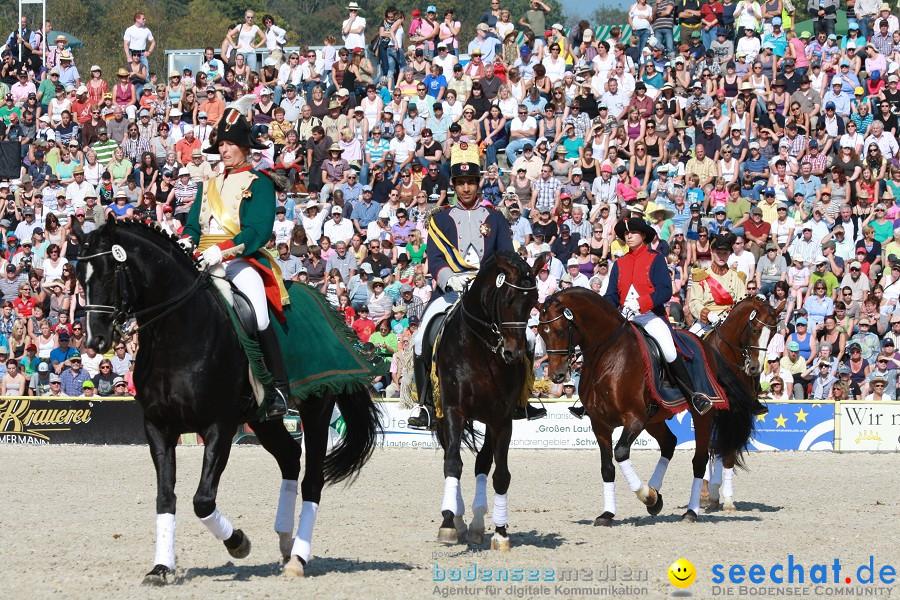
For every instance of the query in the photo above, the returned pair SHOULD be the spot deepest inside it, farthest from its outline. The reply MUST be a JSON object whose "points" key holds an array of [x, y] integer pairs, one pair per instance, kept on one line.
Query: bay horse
{"points": [[614, 391], [482, 363], [741, 338], [192, 375]]}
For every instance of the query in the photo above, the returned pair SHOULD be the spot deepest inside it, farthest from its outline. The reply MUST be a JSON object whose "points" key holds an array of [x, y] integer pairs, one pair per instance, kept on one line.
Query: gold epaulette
{"points": [[433, 212], [741, 275], [699, 274]]}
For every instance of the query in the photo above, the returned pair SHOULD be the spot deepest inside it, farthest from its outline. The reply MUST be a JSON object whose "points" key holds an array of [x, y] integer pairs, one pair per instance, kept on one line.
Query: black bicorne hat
{"points": [[234, 127], [635, 224], [723, 241]]}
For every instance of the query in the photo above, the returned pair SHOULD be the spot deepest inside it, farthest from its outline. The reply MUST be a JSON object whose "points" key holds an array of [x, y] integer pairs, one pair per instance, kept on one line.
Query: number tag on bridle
{"points": [[752, 315], [501, 278], [119, 254], [568, 314]]}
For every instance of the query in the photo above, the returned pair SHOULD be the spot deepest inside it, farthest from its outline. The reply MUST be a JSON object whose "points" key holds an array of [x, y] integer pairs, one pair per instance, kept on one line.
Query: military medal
{"points": [[484, 229]]}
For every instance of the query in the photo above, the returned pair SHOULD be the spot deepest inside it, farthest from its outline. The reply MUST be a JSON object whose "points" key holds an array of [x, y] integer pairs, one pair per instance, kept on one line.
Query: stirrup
{"points": [[578, 411], [277, 406], [701, 403], [418, 422], [530, 412]]}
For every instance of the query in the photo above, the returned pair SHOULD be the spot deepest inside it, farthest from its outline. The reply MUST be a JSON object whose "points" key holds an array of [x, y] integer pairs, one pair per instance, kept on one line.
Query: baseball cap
{"points": [[43, 367], [793, 346]]}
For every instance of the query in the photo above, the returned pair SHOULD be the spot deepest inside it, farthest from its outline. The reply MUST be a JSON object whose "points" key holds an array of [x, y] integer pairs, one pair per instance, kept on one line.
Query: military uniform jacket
{"points": [[715, 292], [460, 240], [644, 271]]}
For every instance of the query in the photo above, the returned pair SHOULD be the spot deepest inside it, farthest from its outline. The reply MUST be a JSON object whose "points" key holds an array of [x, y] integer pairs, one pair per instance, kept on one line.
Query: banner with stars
{"points": [[795, 426]]}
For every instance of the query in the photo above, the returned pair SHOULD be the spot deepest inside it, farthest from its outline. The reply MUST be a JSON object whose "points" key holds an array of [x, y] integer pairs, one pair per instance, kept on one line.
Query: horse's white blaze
{"points": [[763, 343]]}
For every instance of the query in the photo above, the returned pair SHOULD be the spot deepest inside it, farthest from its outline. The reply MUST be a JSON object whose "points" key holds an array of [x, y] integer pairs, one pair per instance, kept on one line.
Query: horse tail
{"points": [[363, 425], [471, 436], [733, 428]]}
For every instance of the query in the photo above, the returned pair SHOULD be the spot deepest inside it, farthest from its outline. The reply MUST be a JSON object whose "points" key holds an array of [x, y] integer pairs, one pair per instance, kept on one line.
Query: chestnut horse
{"points": [[614, 391], [741, 338]]}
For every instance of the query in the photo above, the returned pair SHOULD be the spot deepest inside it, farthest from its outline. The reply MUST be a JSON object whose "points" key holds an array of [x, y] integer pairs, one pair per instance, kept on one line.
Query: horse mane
{"points": [[157, 234], [591, 297]]}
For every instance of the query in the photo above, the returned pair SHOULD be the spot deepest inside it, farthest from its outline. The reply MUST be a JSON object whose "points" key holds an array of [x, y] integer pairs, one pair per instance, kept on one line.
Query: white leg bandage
{"points": [[707, 474], [609, 497], [245, 278], [460, 503], [717, 471], [631, 477], [501, 514], [451, 487], [165, 540], [694, 503], [303, 541], [287, 507], [659, 473], [218, 525], [728, 483], [480, 500]]}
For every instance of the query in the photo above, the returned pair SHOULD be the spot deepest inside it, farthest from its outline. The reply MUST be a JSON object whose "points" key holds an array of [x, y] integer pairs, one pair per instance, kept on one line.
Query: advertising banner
{"points": [[869, 427], [795, 426], [77, 421]]}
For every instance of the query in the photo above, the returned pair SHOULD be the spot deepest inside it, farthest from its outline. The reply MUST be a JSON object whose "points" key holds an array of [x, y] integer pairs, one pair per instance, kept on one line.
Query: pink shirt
{"points": [[628, 194]]}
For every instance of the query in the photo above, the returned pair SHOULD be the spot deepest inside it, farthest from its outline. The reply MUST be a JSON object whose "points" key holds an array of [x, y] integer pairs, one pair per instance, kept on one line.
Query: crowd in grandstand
{"points": [[708, 118]]}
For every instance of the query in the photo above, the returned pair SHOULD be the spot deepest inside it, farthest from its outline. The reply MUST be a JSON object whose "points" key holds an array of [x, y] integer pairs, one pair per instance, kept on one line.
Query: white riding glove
{"points": [[632, 305], [210, 257], [186, 243], [458, 283]]}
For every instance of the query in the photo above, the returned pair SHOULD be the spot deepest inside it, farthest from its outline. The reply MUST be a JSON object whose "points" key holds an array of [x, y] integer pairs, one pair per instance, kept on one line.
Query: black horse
{"points": [[482, 367], [192, 376]]}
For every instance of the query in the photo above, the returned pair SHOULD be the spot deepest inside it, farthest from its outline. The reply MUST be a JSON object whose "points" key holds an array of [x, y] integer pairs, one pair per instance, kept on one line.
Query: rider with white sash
{"points": [[460, 239], [640, 286], [229, 224]]}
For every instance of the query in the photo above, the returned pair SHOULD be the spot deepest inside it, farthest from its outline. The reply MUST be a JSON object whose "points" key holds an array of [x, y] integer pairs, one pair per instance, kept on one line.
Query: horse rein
{"points": [[589, 354], [492, 326], [123, 282], [744, 350]]}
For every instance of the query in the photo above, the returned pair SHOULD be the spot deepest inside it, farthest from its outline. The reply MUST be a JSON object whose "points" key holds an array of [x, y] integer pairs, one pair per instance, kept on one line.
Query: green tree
{"points": [[608, 15]]}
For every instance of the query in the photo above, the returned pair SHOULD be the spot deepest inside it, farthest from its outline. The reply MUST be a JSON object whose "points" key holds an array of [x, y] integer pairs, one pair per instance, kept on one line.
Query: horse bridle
{"points": [[745, 350], [493, 326], [588, 354], [124, 285]]}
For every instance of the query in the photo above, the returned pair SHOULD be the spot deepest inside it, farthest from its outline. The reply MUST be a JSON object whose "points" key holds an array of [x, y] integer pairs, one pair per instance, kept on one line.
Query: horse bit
{"points": [[745, 350], [124, 282], [495, 328]]}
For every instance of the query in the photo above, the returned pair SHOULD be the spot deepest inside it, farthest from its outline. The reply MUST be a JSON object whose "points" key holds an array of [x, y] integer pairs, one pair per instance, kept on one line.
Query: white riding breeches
{"points": [[436, 307], [245, 278], [660, 331]]}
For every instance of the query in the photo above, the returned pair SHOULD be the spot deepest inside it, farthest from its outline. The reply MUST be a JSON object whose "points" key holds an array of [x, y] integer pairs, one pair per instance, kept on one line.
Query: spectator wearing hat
{"points": [[73, 378], [795, 364]]}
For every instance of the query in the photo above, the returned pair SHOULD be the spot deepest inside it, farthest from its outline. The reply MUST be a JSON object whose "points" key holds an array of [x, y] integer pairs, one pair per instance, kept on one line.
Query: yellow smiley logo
{"points": [[682, 573]]}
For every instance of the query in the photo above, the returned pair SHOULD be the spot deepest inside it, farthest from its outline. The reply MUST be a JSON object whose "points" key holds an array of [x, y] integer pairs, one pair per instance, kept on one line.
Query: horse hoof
{"points": [[157, 577], [285, 544], [238, 544], [729, 506], [604, 520], [656, 508], [689, 517], [499, 543], [475, 537], [712, 505], [647, 495], [448, 535], [461, 529], [294, 567]]}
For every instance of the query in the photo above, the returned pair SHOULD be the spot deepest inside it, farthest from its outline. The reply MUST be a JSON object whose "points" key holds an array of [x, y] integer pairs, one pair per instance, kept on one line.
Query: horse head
{"points": [[505, 292], [749, 327], [122, 266]]}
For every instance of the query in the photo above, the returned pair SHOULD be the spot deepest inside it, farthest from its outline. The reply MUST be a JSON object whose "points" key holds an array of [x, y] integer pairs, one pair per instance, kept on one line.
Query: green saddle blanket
{"points": [[321, 353]]}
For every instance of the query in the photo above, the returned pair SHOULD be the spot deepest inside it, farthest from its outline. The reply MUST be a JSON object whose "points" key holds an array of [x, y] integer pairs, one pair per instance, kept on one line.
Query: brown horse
{"points": [[741, 338], [614, 391]]}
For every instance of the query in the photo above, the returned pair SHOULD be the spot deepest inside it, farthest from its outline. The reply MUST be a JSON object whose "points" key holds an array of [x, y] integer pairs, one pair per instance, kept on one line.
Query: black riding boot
{"points": [[679, 370], [422, 373], [268, 343]]}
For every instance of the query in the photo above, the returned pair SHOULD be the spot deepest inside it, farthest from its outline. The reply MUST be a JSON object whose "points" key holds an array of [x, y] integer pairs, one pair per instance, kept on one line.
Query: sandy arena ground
{"points": [[78, 522]]}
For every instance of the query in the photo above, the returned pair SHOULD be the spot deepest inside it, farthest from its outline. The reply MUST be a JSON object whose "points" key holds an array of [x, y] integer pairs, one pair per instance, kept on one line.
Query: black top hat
{"points": [[723, 242], [234, 127], [635, 224]]}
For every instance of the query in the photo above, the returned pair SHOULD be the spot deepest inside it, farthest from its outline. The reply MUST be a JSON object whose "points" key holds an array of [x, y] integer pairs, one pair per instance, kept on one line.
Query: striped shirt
{"points": [[104, 150]]}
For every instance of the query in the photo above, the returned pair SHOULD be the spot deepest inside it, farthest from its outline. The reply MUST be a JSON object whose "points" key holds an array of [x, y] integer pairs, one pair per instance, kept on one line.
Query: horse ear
{"points": [[110, 226], [539, 263], [780, 307]]}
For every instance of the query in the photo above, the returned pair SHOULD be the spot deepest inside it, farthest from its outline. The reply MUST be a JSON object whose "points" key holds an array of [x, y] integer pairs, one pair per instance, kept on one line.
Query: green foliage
{"points": [[609, 15]]}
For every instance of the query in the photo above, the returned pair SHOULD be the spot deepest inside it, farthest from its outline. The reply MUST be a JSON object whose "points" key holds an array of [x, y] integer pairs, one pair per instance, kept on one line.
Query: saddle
{"points": [[662, 389]]}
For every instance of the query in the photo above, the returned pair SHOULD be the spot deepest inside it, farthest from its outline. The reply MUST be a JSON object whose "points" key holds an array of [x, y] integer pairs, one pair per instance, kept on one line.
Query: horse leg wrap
{"points": [[656, 480], [218, 525], [460, 503], [707, 475], [717, 471], [303, 541], [609, 497], [165, 540], [631, 476], [287, 506], [728, 483], [451, 488], [480, 500], [694, 503], [501, 513]]}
